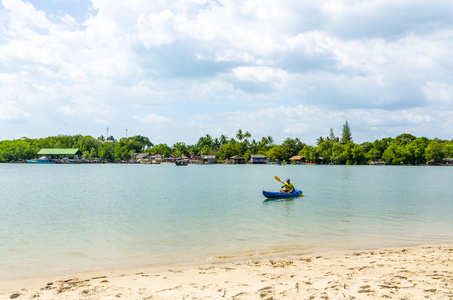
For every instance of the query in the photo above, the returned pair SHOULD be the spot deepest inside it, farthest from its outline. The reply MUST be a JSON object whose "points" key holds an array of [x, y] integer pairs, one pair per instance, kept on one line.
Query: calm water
{"points": [[65, 218]]}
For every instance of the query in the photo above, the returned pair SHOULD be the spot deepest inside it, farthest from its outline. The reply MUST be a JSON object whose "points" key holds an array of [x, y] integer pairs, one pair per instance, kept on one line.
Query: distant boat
{"points": [[41, 160], [181, 162]]}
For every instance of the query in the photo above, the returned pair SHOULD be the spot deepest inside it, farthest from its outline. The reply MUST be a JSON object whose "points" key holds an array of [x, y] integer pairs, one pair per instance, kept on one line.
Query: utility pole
{"points": [[106, 138], [126, 136]]}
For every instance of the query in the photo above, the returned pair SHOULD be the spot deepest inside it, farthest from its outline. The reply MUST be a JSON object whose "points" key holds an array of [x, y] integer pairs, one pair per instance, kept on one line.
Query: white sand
{"points": [[424, 272]]}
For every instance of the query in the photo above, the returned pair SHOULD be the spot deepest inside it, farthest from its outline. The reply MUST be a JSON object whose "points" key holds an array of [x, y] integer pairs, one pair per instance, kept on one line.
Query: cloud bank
{"points": [[175, 71]]}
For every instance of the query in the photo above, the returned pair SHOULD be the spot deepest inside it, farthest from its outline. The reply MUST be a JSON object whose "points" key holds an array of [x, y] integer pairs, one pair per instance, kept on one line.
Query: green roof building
{"points": [[50, 151]]}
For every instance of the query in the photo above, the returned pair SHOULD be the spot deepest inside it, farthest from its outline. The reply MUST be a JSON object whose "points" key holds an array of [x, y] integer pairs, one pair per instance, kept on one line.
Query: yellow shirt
{"points": [[288, 186]]}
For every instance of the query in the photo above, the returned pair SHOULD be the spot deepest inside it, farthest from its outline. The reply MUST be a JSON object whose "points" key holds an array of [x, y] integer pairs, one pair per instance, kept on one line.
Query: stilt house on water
{"points": [[258, 159], [237, 159], [298, 159], [61, 155], [208, 159]]}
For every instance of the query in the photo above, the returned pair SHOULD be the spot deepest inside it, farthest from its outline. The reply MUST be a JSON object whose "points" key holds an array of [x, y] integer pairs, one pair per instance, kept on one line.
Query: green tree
{"points": [[358, 154], [161, 149], [253, 147], [389, 154], [448, 149], [240, 135], [434, 151], [247, 135], [346, 136], [310, 153], [228, 150], [340, 153], [143, 140], [180, 148], [107, 151], [276, 153], [416, 150], [291, 147], [332, 136], [382, 145], [373, 155], [92, 154], [395, 154], [270, 140], [404, 139], [88, 142], [206, 150], [325, 150], [319, 140], [216, 144], [203, 141], [223, 140]]}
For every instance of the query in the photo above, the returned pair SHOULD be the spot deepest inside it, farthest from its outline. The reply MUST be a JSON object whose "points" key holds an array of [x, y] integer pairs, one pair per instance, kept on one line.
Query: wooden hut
{"points": [[208, 159], [298, 159], [447, 161], [258, 159], [237, 159], [141, 157]]}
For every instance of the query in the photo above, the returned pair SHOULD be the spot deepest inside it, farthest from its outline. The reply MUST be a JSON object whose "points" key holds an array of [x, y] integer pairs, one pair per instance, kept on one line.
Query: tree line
{"points": [[404, 149]]}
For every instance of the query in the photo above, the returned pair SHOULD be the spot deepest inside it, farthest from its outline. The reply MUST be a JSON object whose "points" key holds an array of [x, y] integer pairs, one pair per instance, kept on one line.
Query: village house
{"points": [[298, 159], [447, 161], [141, 157], [237, 159], [258, 159], [208, 159]]}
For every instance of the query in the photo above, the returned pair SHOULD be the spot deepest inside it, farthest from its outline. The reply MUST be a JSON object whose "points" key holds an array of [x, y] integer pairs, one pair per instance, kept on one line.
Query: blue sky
{"points": [[177, 70]]}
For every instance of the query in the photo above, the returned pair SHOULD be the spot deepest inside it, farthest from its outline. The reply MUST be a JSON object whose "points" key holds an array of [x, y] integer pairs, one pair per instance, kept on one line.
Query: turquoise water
{"points": [[57, 219]]}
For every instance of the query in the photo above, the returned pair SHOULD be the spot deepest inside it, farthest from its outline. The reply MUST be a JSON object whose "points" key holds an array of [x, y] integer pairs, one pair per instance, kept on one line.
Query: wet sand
{"points": [[424, 272]]}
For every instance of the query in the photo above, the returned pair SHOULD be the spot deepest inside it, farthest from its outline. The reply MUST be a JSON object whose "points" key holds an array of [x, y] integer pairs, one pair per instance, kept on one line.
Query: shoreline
{"points": [[411, 272]]}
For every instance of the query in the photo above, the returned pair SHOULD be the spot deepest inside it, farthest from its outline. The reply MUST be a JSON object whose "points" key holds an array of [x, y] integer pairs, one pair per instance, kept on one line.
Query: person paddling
{"points": [[287, 187]]}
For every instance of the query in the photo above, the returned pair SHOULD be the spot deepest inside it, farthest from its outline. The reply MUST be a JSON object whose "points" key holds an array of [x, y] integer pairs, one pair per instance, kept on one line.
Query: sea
{"points": [[66, 218]]}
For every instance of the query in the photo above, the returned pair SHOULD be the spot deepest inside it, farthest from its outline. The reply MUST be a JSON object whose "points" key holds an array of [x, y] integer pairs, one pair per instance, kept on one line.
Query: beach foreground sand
{"points": [[424, 272]]}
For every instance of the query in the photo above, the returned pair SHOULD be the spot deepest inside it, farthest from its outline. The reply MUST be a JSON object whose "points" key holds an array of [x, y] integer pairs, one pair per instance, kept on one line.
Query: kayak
{"points": [[267, 194]]}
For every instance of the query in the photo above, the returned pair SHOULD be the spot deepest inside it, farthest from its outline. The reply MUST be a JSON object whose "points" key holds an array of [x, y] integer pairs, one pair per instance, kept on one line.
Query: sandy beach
{"points": [[423, 272]]}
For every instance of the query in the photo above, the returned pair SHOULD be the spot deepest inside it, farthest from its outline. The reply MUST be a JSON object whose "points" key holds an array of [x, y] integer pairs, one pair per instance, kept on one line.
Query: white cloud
{"points": [[23, 18], [66, 110], [306, 66], [88, 108], [439, 92], [259, 74], [412, 117], [9, 111], [153, 119], [156, 29], [448, 127]]}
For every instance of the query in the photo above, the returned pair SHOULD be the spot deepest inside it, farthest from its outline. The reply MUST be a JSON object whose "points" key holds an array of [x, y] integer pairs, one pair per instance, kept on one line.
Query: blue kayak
{"points": [[267, 194]]}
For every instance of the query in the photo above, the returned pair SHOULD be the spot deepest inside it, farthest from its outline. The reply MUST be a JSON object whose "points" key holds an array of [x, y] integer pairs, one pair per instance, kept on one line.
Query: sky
{"points": [[174, 71]]}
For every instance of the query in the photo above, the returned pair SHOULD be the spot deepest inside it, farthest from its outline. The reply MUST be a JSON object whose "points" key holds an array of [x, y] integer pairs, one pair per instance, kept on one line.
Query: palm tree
{"points": [[208, 139], [240, 135], [247, 135], [270, 140], [216, 144], [320, 140], [254, 146], [223, 140]]}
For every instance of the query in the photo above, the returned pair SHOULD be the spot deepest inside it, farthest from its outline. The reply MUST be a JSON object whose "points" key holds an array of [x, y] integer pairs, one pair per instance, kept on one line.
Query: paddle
{"points": [[278, 179]]}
